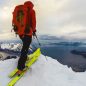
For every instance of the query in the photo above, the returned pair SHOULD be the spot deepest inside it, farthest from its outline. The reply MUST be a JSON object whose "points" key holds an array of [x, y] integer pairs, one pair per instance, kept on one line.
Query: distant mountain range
{"points": [[48, 40]]}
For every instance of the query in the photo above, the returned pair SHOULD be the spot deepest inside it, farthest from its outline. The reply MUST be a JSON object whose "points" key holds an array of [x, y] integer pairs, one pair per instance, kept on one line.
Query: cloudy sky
{"points": [[62, 18]]}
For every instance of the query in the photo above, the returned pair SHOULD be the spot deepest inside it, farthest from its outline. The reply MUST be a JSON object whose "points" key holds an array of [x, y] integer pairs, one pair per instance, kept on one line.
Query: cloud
{"points": [[7, 36], [76, 10], [65, 18]]}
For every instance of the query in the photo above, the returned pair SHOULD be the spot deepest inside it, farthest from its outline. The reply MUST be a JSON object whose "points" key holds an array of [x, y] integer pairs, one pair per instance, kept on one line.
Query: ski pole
{"points": [[33, 44], [40, 45], [37, 40]]}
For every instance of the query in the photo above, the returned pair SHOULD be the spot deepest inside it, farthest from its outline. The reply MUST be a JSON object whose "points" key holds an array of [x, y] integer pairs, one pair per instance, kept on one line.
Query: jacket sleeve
{"points": [[33, 25]]}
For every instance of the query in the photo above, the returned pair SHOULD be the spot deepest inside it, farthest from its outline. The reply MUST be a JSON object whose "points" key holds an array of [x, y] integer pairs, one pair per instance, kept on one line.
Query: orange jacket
{"points": [[28, 23]]}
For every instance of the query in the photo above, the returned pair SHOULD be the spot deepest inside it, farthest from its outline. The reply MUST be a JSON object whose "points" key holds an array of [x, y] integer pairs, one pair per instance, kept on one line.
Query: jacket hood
{"points": [[28, 4]]}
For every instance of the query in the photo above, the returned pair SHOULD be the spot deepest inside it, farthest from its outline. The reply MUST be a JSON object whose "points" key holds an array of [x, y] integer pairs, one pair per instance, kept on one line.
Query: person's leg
{"points": [[26, 43]]}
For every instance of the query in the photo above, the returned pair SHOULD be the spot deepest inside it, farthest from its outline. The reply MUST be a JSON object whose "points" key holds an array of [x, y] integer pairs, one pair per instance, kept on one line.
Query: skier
{"points": [[26, 32]]}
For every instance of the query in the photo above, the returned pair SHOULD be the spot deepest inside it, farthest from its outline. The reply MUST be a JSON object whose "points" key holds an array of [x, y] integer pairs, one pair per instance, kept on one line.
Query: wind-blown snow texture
{"points": [[43, 73]]}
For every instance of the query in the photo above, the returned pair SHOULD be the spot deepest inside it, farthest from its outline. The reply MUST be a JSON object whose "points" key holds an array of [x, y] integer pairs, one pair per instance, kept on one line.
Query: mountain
{"points": [[49, 40], [11, 46], [44, 72]]}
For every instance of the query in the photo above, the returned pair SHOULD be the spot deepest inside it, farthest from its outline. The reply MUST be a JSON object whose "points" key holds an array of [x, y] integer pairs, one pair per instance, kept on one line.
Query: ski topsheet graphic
{"points": [[33, 57]]}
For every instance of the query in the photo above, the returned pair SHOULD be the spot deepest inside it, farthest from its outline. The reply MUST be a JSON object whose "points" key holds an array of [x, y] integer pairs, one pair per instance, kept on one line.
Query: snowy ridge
{"points": [[43, 73], [11, 46]]}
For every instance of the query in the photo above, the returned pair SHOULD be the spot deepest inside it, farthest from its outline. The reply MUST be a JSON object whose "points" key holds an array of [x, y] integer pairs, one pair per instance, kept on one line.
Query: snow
{"points": [[11, 46], [43, 73], [5, 46]]}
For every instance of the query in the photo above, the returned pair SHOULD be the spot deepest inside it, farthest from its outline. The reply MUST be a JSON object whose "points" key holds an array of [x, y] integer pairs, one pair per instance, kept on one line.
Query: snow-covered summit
{"points": [[11, 46], [43, 73]]}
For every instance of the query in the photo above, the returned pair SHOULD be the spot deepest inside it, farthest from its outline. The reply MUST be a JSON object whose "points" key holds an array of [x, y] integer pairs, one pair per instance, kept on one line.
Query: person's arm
{"points": [[33, 22]]}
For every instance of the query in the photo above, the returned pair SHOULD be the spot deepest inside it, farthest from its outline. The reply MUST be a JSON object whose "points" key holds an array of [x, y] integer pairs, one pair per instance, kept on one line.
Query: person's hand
{"points": [[34, 33], [15, 29], [21, 36]]}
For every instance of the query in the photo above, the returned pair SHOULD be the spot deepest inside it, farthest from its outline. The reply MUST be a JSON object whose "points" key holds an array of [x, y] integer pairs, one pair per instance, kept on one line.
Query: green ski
{"points": [[34, 56]]}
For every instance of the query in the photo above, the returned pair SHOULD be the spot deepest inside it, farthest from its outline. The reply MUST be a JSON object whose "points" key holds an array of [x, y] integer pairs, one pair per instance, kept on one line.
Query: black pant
{"points": [[23, 57]]}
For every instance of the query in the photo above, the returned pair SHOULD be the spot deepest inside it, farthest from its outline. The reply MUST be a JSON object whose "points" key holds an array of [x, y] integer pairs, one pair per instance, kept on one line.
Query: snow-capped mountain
{"points": [[43, 73], [11, 46]]}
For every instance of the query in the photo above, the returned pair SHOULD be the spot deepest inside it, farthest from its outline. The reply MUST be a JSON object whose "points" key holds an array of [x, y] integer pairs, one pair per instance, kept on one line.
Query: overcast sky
{"points": [[62, 18]]}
